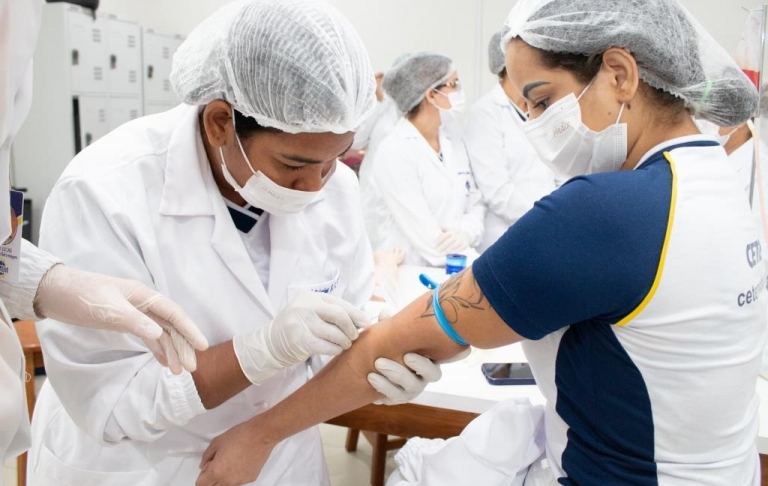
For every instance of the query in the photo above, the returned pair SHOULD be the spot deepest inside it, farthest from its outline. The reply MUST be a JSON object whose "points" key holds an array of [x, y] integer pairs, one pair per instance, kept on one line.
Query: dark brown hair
{"points": [[585, 68]]}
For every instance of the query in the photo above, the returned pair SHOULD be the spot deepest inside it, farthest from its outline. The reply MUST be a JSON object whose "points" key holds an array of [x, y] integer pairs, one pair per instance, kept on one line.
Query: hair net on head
{"points": [[294, 65], [407, 81], [496, 61], [673, 51]]}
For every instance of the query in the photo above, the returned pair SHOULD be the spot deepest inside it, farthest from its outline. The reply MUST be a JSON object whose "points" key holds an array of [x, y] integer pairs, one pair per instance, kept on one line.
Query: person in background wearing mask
{"points": [[46, 287], [505, 165], [233, 204], [423, 174], [638, 308]]}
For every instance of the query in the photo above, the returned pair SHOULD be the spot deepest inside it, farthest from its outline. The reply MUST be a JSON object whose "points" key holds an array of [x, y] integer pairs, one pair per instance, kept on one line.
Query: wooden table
{"points": [[33, 357]]}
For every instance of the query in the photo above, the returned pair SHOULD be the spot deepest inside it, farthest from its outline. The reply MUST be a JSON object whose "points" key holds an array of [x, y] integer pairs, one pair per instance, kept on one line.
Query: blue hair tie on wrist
{"points": [[443, 321]]}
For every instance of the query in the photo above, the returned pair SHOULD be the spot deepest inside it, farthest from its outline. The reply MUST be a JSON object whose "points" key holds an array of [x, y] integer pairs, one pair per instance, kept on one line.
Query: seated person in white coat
{"points": [[506, 167], [424, 175], [234, 205]]}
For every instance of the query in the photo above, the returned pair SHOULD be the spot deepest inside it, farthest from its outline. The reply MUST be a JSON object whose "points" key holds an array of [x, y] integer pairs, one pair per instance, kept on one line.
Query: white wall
{"points": [[391, 27]]}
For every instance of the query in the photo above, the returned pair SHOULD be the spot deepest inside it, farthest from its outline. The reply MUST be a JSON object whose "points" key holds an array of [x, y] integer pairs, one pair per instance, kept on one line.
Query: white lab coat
{"points": [[424, 195], [373, 132], [369, 138], [484, 454], [142, 203], [505, 165], [19, 27]]}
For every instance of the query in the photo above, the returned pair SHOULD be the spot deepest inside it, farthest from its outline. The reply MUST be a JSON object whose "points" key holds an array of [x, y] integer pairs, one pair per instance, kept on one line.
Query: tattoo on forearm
{"points": [[452, 302]]}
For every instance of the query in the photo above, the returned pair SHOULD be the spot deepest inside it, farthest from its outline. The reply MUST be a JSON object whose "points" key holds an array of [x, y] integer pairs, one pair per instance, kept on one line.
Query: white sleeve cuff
{"points": [[19, 297]]}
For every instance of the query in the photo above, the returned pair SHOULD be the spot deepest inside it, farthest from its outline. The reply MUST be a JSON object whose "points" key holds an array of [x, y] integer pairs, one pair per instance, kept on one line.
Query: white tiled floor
{"points": [[345, 469]]}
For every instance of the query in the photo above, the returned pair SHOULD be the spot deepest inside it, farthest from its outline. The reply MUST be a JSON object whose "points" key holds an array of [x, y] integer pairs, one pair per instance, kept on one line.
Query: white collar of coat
{"points": [[188, 176], [186, 182], [500, 97]]}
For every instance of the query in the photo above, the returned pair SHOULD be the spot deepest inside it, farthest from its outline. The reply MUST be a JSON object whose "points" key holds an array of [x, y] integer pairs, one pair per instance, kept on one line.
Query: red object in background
{"points": [[753, 76], [352, 157]]}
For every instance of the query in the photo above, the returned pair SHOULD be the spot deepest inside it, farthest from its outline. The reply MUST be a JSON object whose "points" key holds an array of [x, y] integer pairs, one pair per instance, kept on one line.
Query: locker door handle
{"points": [[113, 61], [150, 71], [88, 139], [75, 57]]}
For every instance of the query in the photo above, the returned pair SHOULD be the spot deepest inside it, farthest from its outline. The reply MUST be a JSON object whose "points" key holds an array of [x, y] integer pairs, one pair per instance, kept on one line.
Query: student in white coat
{"points": [[233, 204], [46, 287], [506, 167], [422, 173]]}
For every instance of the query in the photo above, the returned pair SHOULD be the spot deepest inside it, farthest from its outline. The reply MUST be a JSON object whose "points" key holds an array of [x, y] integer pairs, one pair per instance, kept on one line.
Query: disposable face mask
{"points": [[457, 99], [708, 128], [262, 192], [565, 144]]}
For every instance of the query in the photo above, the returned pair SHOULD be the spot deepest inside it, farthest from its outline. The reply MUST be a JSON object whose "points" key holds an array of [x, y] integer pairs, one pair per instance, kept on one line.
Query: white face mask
{"points": [[708, 128], [458, 100], [262, 192], [568, 146]]}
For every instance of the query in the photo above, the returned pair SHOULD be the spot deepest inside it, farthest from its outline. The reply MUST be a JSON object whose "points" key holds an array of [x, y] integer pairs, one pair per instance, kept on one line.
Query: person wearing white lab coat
{"points": [[244, 216], [506, 167], [45, 286], [422, 173]]}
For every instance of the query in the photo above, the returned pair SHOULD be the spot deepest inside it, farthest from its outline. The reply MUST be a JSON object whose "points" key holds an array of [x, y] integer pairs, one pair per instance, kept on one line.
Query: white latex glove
{"points": [[114, 304], [453, 241], [311, 324], [398, 383]]}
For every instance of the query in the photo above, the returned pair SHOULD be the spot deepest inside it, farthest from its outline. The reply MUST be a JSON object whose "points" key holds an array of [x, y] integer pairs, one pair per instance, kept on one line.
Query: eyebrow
{"points": [[531, 86], [304, 160]]}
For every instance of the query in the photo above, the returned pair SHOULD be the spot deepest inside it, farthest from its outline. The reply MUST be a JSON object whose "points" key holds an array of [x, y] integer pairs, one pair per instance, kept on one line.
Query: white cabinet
{"points": [[158, 50], [122, 110], [87, 51], [91, 118], [124, 58]]}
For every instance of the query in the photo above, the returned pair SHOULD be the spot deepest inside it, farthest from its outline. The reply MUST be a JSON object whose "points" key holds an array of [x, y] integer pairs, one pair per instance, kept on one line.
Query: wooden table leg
{"points": [[353, 435], [379, 460]]}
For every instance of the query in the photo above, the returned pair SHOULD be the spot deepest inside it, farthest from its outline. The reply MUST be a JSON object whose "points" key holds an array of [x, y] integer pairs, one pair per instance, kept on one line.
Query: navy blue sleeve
{"points": [[587, 252]]}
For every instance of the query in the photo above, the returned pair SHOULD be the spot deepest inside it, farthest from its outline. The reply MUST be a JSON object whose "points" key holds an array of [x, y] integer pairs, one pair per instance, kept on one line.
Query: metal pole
{"points": [[758, 124]]}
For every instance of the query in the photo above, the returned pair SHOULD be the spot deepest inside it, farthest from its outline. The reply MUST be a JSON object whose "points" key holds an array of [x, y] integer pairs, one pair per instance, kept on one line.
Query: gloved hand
{"points": [[401, 385], [311, 324], [114, 304], [453, 241]]}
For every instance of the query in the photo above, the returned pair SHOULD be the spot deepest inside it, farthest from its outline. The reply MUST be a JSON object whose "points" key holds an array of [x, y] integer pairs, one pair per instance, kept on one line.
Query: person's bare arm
{"points": [[237, 456], [218, 376]]}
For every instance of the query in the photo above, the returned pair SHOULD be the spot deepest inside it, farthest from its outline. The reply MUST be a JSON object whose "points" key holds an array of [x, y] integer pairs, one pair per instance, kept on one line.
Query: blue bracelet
{"points": [[441, 319]]}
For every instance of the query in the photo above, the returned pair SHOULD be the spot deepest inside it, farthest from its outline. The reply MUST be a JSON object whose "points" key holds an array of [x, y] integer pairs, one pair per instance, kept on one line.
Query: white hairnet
{"points": [[294, 65], [408, 81], [496, 61], [673, 51]]}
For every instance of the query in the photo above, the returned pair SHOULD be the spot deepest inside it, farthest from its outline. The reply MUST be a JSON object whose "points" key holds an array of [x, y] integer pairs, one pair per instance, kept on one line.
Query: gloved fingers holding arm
{"points": [[114, 304]]}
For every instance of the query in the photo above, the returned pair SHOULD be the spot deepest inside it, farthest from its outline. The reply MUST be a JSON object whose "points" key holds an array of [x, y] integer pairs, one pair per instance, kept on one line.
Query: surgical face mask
{"points": [[708, 128], [262, 192], [568, 146], [457, 99]]}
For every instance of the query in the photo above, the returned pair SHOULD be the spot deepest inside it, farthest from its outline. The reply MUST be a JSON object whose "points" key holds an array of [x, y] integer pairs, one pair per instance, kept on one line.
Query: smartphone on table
{"points": [[508, 373]]}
